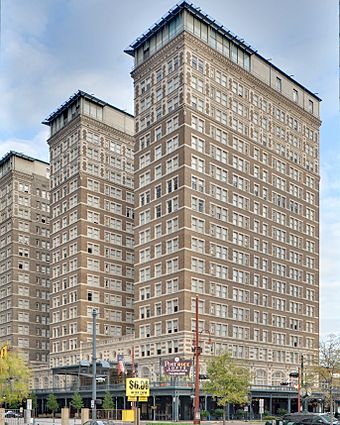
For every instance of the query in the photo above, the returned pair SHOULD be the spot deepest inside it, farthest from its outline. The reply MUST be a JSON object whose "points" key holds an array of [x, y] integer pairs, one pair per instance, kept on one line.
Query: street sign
{"points": [[92, 404], [177, 367], [132, 398], [142, 398], [128, 415], [29, 404], [261, 402], [136, 387], [261, 410]]}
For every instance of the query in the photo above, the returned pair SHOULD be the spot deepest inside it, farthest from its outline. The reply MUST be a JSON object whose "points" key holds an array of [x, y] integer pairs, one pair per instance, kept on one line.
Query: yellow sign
{"points": [[142, 398], [136, 387], [128, 416], [132, 398], [4, 351]]}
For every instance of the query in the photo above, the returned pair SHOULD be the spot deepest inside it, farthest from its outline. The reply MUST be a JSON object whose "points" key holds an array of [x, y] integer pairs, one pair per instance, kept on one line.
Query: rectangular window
{"points": [[295, 96], [310, 106], [278, 84]]}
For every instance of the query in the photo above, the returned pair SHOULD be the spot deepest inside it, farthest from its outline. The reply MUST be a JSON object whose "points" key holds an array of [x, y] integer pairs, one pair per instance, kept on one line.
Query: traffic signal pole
{"points": [[197, 381]]}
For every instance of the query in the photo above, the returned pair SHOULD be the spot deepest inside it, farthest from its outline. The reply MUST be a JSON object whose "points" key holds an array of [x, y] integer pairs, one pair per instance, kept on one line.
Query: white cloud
{"points": [[35, 147]]}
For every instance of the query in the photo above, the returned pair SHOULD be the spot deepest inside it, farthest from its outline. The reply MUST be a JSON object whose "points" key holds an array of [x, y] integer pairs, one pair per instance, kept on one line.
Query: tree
{"points": [[329, 368], [77, 402], [108, 403], [227, 381], [52, 404], [14, 377]]}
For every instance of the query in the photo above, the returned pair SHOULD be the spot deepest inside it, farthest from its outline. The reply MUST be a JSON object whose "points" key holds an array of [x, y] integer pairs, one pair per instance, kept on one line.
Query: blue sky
{"points": [[52, 48]]}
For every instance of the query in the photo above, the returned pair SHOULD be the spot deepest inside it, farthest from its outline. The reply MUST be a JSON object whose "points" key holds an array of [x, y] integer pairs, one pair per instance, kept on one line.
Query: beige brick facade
{"points": [[91, 150], [24, 256], [226, 201]]}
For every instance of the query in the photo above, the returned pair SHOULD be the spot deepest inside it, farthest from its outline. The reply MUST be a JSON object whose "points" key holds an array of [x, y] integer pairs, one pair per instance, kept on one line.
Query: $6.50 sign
{"points": [[136, 387]]}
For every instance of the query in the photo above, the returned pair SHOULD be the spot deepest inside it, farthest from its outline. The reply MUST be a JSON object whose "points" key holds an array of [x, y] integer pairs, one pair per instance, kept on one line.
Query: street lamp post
{"points": [[197, 352], [94, 365], [299, 390], [197, 415], [298, 376]]}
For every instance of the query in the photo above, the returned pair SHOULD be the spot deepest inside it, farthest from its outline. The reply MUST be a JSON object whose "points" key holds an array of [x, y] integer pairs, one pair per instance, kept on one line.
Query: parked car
{"points": [[12, 414], [310, 418], [94, 422]]}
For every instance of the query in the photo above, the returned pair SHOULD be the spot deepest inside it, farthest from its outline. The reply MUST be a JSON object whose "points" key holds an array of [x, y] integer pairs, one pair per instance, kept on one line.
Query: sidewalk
{"points": [[72, 421]]}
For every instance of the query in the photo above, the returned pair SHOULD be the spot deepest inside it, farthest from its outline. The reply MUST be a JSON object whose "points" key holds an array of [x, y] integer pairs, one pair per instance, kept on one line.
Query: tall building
{"points": [[24, 255], [226, 200], [91, 151]]}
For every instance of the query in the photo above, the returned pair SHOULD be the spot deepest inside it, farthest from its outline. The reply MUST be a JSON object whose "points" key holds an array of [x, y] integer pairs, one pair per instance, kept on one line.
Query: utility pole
{"points": [[94, 365], [303, 386], [197, 415], [299, 390]]}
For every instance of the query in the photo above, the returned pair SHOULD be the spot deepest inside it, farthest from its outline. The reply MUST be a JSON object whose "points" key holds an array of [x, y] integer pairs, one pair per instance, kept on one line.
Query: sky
{"points": [[51, 48]]}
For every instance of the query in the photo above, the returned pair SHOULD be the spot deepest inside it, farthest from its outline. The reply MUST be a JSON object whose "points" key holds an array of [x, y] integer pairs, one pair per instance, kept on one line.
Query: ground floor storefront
{"points": [[169, 401]]}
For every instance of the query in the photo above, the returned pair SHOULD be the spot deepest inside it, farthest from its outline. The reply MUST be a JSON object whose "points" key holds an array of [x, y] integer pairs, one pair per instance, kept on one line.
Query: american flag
{"points": [[120, 364]]}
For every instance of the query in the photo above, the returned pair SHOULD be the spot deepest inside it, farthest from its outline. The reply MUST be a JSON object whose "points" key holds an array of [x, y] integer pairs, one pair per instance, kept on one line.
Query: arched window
{"points": [[278, 377], [145, 372], [46, 382], [260, 377]]}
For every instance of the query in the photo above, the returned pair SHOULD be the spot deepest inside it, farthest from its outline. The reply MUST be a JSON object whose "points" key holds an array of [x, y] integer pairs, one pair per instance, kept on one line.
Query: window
{"points": [[197, 265], [172, 286], [197, 224], [172, 205], [172, 184], [197, 285], [197, 124], [197, 143], [197, 64], [172, 326], [172, 245], [172, 164], [197, 84], [197, 164], [219, 251], [172, 124], [197, 184], [172, 225], [158, 211], [310, 106], [278, 84], [172, 144], [295, 95], [197, 204], [172, 306]]}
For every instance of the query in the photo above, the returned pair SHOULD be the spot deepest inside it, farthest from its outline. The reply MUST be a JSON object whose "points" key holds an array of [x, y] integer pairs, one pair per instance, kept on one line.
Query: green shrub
{"points": [[240, 414], [204, 413], [218, 413]]}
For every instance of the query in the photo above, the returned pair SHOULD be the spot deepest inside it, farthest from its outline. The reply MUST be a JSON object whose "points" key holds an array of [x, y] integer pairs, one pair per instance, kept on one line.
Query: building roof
{"points": [[10, 154], [80, 94], [174, 11], [197, 11]]}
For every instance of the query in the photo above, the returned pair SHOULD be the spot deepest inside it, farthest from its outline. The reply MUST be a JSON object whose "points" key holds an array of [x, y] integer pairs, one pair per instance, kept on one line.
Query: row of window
{"points": [[221, 251]]}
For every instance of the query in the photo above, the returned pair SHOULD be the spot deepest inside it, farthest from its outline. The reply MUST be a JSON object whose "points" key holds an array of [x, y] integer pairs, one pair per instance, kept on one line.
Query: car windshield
{"points": [[327, 418]]}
